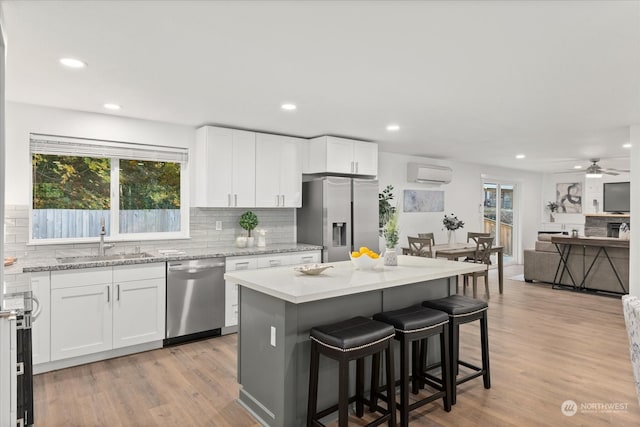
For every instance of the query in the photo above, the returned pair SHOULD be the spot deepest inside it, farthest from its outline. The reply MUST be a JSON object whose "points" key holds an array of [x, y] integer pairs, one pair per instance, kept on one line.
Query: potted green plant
{"points": [[385, 210], [248, 221], [391, 235]]}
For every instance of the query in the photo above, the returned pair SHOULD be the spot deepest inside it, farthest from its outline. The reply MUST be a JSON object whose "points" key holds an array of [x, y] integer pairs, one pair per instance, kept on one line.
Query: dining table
{"points": [[455, 251]]}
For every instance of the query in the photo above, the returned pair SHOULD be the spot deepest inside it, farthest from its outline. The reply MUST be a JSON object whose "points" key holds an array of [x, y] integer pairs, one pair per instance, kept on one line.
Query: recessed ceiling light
{"points": [[627, 145], [72, 63], [109, 106], [393, 127], [577, 167], [288, 107], [520, 156]]}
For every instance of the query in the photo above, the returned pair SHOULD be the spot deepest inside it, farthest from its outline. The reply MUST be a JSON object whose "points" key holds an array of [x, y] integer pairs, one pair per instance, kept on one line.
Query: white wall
{"points": [[463, 197], [22, 119]]}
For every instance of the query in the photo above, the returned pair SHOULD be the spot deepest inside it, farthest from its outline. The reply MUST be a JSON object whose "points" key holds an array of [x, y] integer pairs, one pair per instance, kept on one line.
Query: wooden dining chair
{"points": [[427, 236], [420, 247], [482, 255], [472, 236]]}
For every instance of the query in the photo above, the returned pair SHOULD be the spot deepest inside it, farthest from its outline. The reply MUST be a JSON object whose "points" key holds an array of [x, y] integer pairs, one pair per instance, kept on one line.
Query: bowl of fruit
{"points": [[364, 259]]}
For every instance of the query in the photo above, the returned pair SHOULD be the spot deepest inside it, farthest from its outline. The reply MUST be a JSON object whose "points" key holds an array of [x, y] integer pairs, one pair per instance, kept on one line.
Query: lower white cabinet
{"points": [[100, 309], [252, 263], [41, 326], [138, 307], [80, 321]]}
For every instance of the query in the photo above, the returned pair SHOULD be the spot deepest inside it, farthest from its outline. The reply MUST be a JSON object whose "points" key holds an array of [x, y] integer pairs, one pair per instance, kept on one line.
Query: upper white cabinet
{"points": [[225, 168], [330, 154], [278, 171]]}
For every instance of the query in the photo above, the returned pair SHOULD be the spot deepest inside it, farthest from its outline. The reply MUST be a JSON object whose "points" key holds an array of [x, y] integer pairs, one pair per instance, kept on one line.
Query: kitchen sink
{"points": [[92, 258]]}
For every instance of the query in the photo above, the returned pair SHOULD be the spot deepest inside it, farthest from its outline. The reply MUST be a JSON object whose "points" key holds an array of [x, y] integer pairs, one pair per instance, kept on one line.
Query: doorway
{"points": [[499, 214]]}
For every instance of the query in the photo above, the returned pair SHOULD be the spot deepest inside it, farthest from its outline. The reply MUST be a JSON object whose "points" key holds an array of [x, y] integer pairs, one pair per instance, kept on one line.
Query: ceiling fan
{"points": [[596, 171]]}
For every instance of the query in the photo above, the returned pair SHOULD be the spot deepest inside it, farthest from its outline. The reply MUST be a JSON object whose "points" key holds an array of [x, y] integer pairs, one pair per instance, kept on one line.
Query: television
{"points": [[616, 197]]}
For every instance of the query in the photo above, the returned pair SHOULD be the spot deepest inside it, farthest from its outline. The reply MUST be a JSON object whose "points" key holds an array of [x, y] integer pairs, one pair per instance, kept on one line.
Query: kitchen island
{"points": [[279, 306]]}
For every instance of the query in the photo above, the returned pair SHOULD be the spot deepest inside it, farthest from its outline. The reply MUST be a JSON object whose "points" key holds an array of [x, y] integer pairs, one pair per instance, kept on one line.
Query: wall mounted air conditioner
{"points": [[430, 174]]}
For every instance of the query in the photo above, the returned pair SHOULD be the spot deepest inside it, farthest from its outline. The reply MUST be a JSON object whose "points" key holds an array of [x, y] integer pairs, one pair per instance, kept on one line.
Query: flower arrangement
{"points": [[391, 231], [451, 222], [552, 206]]}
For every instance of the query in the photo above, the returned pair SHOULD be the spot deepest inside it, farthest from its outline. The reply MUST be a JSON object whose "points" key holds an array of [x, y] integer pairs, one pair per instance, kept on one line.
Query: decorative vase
{"points": [[390, 257], [241, 242], [451, 237], [552, 218], [250, 242]]}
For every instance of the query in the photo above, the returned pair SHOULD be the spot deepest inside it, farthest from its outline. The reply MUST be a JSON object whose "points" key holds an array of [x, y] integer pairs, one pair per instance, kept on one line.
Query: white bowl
{"points": [[364, 262]]}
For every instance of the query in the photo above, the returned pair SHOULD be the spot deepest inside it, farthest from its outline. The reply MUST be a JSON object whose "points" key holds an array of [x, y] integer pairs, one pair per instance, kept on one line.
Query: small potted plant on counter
{"points": [[248, 221]]}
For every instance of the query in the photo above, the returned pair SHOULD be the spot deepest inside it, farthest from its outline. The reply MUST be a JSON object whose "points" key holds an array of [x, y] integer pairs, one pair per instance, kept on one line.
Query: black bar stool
{"points": [[463, 309], [352, 339], [412, 325]]}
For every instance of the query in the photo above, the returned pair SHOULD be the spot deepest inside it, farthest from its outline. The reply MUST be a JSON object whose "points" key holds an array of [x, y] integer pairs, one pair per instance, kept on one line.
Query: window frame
{"points": [[114, 211]]}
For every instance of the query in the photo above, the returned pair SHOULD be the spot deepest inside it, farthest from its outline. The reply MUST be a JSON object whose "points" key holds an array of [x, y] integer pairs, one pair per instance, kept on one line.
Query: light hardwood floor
{"points": [[547, 346]]}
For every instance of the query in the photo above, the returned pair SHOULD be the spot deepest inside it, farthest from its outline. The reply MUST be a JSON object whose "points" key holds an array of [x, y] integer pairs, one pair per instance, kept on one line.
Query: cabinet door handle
{"points": [[283, 200], [307, 258], [235, 200], [274, 262], [108, 294], [357, 164], [242, 265], [117, 292]]}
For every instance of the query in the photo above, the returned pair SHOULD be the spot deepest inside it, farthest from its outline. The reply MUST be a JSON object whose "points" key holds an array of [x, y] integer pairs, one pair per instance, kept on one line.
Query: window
{"points": [[136, 190]]}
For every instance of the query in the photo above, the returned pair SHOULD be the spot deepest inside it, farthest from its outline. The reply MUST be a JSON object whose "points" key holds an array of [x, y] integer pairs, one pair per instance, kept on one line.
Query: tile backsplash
{"points": [[280, 226]]}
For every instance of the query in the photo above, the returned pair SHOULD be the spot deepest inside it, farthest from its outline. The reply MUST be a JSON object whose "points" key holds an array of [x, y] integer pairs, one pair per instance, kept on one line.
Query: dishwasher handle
{"points": [[193, 270]]}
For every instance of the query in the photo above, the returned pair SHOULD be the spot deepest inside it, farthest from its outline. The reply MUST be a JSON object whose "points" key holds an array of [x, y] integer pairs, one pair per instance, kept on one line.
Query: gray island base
{"points": [[278, 308]]}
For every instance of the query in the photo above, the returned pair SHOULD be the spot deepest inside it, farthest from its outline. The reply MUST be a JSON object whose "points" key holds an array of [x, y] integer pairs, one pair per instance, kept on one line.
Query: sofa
{"points": [[541, 264]]}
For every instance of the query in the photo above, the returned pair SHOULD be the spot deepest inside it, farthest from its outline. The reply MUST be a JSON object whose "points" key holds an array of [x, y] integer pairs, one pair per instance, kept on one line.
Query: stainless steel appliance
{"points": [[340, 214], [195, 299], [22, 304]]}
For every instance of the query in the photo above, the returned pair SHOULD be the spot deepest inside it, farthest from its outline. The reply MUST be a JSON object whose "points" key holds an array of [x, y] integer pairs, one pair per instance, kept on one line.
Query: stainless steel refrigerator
{"points": [[340, 214]]}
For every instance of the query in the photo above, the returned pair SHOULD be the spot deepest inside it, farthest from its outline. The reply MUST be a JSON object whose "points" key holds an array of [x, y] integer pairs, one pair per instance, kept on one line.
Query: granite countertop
{"points": [[343, 279], [52, 264]]}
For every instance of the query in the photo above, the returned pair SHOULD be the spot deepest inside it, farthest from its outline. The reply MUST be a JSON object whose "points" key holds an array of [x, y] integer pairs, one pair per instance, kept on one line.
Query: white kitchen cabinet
{"points": [[80, 320], [252, 263], [330, 154], [41, 326], [99, 309], [231, 289], [311, 257], [273, 260], [225, 168], [278, 171], [138, 304]]}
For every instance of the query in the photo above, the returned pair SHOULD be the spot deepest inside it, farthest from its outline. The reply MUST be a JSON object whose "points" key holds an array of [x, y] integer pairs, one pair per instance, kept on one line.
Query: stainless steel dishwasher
{"points": [[195, 299]]}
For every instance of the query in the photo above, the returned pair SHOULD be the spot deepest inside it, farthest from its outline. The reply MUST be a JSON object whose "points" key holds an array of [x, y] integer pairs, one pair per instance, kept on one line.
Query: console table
{"points": [[567, 246]]}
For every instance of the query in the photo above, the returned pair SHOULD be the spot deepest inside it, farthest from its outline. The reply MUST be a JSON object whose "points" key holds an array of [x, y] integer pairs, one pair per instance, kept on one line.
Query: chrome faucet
{"points": [[103, 247]]}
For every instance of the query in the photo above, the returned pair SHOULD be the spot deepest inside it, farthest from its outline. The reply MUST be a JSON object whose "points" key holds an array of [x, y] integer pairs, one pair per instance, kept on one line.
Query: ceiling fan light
{"points": [[594, 175]]}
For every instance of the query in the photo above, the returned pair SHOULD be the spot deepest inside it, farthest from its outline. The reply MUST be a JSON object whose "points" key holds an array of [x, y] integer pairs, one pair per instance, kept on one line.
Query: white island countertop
{"points": [[343, 279]]}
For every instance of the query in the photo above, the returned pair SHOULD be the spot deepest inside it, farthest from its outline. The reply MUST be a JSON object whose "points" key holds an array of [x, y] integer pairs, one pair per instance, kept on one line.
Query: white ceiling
{"points": [[468, 81]]}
